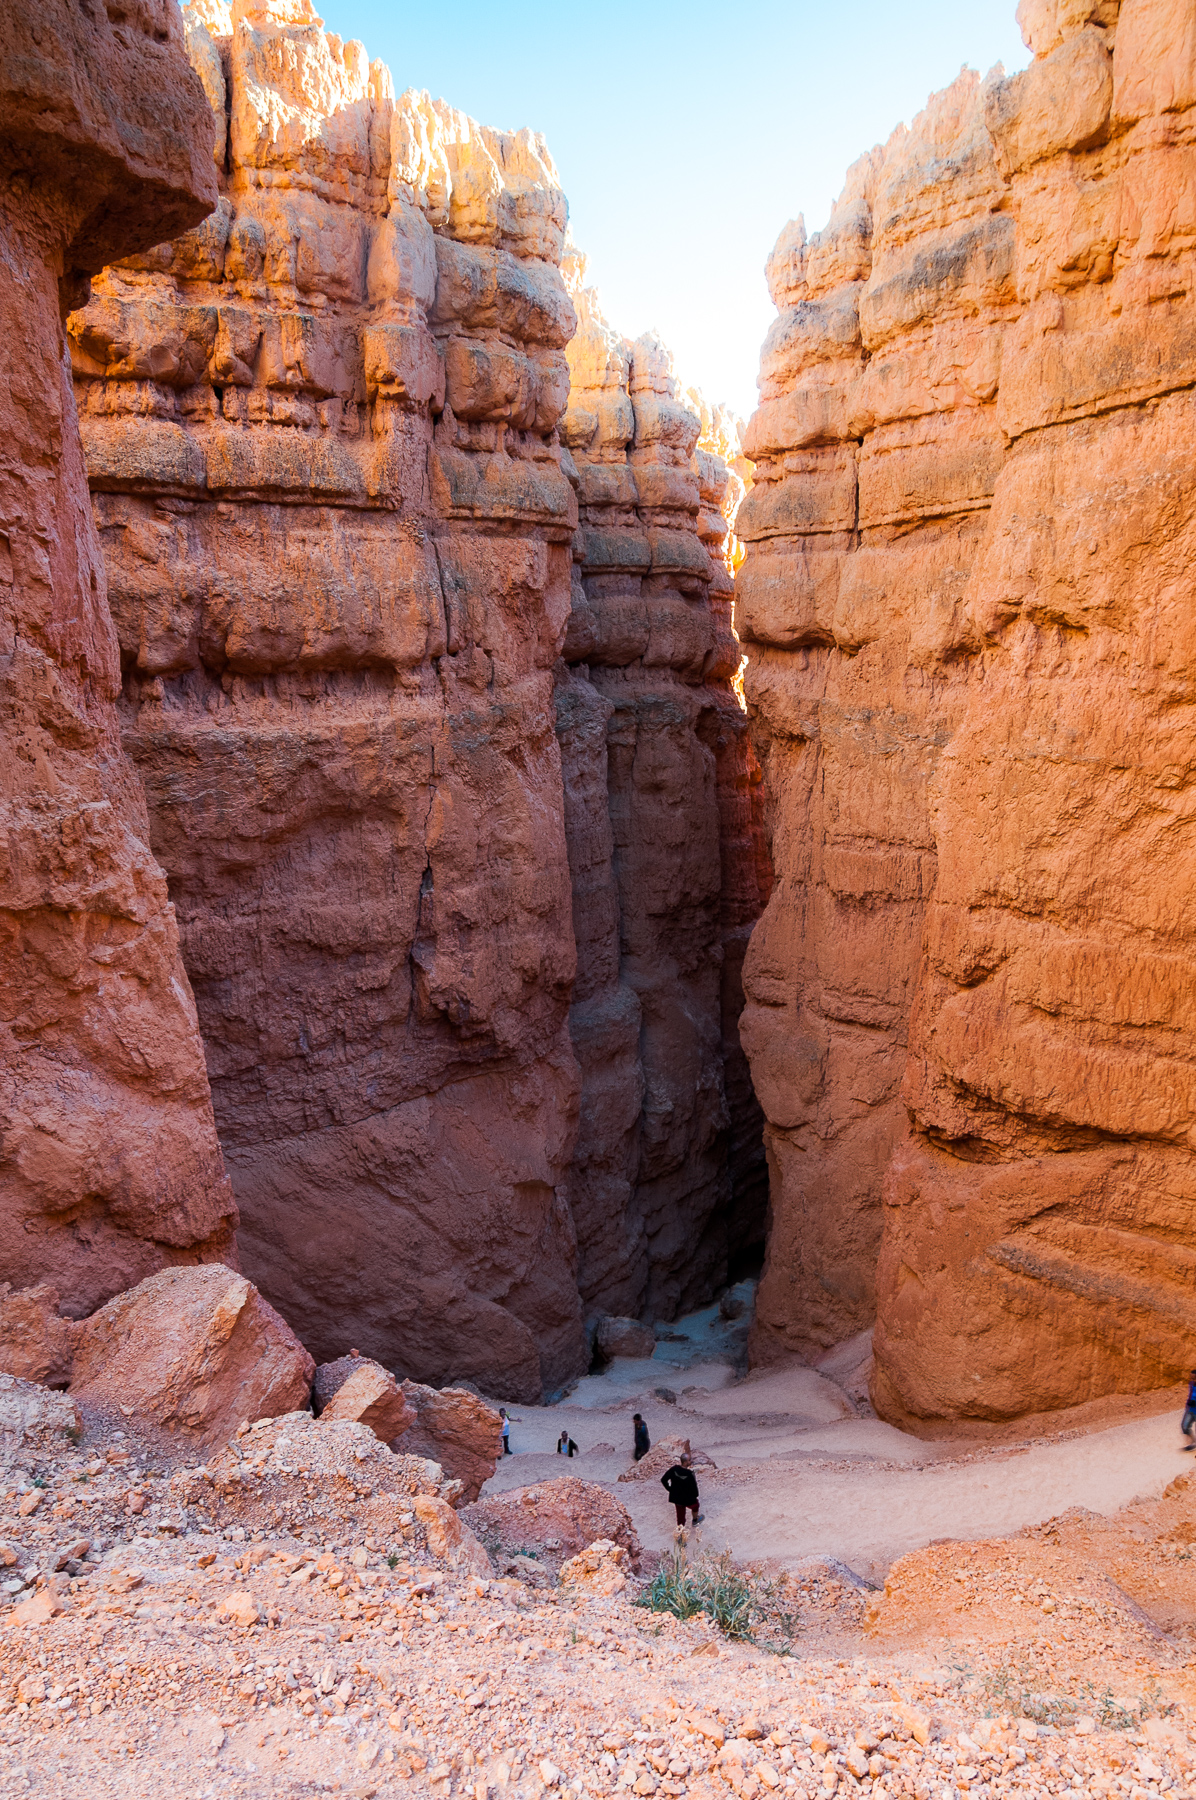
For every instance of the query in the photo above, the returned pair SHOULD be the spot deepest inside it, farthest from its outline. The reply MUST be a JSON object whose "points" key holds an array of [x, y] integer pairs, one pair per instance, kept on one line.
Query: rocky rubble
{"points": [[455, 1429], [552, 1521], [452, 1426], [133, 1645], [663, 1454], [966, 676]]}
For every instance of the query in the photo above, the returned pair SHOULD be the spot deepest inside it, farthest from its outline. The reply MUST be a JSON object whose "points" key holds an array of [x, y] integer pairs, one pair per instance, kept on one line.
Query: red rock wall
{"points": [[968, 596], [659, 795], [109, 1163], [320, 437], [339, 527]]}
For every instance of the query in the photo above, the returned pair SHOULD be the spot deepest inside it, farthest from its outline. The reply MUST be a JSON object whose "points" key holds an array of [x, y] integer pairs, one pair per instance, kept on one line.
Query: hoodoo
{"points": [[341, 531], [967, 602]]}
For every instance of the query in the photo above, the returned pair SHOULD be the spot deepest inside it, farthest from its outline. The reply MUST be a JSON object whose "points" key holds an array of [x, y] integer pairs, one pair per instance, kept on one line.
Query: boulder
{"points": [[663, 1454], [295, 1472], [624, 1337], [455, 1429], [36, 1343], [553, 1520], [355, 1387], [193, 1350], [448, 1537], [599, 1571]]}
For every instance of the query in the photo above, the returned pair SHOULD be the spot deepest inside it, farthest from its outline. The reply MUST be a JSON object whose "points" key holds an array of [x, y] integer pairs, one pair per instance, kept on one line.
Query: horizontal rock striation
{"points": [[965, 597], [341, 533], [109, 1161], [659, 795], [320, 435]]}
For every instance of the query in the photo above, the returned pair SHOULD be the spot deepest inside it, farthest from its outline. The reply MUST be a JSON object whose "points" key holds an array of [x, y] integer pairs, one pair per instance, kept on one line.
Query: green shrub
{"points": [[742, 1603]]}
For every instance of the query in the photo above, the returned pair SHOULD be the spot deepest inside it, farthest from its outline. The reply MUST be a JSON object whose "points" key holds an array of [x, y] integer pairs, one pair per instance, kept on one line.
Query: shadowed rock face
{"points": [[968, 596], [662, 835], [109, 1162], [339, 528], [338, 619]]}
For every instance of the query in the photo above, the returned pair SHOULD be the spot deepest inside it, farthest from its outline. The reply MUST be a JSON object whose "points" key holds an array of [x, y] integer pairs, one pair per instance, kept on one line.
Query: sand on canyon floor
{"points": [[804, 1468]]}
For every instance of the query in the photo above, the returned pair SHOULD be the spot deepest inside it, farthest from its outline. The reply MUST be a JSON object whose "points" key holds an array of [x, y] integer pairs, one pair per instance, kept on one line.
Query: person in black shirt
{"points": [[643, 1443], [681, 1485]]}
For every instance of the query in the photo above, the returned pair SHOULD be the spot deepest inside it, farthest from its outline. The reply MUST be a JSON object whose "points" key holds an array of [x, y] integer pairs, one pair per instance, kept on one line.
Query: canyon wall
{"points": [[662, 836], [460, 985], [109, 1162], [968, 600]]}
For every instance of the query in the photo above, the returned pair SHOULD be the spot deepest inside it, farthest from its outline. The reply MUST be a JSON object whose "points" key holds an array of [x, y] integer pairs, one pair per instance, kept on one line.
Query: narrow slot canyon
{"points": [[542, 919]]}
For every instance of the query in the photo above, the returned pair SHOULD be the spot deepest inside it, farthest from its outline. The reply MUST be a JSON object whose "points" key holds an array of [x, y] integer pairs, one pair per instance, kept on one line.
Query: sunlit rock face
{"points": [[967, 595], [109, 1161], [320, 433], [664, 832], [341, 534]]}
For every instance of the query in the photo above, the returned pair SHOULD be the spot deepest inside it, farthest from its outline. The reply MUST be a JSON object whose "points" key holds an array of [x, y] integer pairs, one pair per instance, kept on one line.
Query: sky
{"points": [[686, 135]]}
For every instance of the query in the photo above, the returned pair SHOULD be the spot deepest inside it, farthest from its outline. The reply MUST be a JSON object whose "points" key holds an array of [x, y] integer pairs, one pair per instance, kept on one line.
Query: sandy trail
{"points": [[801, 1474]]}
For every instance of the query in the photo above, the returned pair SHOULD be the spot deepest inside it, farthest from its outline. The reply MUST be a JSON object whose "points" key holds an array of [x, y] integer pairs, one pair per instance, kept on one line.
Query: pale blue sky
{"points": [[687, 135]]}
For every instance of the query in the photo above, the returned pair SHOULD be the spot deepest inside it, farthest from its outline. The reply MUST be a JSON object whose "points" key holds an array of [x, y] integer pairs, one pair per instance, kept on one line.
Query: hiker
{"points": [[565, 1445], [643, 1443], [681, 1485], [1189, 1418], [506, 1429]]}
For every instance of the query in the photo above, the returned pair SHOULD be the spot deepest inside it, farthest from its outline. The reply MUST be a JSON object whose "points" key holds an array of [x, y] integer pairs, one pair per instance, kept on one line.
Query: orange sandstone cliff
{"points": [[341, 533], [109, 1162], [967, 599]]}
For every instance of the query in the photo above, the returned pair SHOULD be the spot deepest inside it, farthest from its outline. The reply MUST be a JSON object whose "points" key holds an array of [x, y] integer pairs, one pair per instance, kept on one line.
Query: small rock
{"points": [[37, 1610], [549, 1773], [240, 1607], [29, 1502]]}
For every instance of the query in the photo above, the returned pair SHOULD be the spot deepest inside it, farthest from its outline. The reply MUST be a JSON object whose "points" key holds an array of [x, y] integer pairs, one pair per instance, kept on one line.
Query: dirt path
{"points": [[801, 1474]]}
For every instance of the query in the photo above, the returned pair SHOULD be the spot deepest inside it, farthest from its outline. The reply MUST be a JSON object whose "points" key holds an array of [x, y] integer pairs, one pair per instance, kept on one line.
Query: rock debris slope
{"points": [[966, 597], [109, 1162], [321, 432]]}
